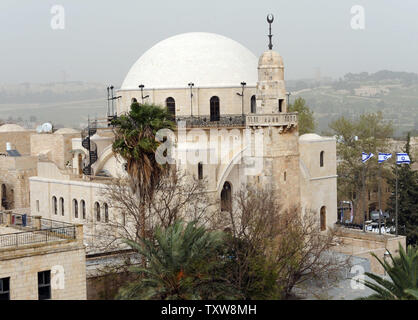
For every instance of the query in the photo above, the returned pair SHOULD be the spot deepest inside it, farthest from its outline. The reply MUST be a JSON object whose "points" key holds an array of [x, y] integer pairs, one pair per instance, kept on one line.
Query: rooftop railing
{"points": [[234, 120], [33, 230]]}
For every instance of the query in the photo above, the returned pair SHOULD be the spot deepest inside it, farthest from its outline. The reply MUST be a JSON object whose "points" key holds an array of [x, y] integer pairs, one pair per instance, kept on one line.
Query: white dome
{"points": [[10, 127], [206, 59], [310, 137]]}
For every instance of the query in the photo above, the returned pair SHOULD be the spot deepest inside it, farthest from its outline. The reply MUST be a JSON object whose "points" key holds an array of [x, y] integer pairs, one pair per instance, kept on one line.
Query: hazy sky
{"points": [[102, 38]]}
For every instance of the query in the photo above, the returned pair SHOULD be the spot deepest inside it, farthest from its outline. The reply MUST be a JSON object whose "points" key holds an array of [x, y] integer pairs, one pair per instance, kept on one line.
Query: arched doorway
{"points": [[323, 218], [226, 197]]}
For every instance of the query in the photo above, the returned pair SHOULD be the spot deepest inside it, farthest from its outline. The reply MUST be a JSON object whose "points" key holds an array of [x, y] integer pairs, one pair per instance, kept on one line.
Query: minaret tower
{"points": [[271, 91], [280, 147]]}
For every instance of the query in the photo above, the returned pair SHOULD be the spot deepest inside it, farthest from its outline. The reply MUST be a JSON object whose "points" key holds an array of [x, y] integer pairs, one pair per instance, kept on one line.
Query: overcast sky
{"points": [[102, 38]]}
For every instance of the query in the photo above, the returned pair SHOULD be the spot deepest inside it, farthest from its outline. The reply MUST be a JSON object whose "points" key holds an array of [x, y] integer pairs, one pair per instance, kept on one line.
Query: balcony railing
{"points": [[205, 121], [33, 230], [279, 119], [234, 120], [23, 238]]}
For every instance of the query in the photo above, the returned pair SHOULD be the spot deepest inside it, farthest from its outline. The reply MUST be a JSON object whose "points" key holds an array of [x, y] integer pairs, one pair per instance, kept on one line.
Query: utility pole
{"points": [[380, 198], [365, 197], [396, 200]]}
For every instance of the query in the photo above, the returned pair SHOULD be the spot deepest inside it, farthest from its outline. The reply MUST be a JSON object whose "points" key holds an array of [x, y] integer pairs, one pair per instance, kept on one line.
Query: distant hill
{"points": [[71, 103], [62, 103], [393, 93]]}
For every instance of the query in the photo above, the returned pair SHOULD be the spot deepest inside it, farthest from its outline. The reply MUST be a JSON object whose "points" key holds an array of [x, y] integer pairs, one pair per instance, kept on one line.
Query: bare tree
{"points": [[287, 242], [177, 195]]}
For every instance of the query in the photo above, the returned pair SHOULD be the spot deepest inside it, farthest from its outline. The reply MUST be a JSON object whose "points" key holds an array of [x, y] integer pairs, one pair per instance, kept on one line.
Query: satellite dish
{"points": [[39, 129], [46, 127]]}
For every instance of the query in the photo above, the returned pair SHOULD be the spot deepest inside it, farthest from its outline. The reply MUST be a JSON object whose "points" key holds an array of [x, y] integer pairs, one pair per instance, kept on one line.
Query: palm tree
{"points": [[403, 273], [183, 261], [135, 142]]}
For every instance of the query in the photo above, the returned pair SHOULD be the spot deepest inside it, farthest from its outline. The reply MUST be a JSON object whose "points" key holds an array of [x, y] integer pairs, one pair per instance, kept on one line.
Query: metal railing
{"points": [[37, 236], [34, 230], [205, 121]]}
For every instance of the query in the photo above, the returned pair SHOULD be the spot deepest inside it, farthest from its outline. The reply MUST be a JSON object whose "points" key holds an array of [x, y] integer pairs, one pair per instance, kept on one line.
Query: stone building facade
{"points": [[41, 262]]}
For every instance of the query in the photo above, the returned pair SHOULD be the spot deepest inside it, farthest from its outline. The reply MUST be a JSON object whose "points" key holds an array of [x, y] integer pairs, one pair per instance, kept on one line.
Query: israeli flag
{"points": [[402, 158], [365, 156], [383, 157]]}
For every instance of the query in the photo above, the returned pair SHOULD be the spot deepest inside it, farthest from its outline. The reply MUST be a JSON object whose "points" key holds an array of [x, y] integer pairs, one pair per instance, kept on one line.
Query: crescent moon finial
{"points": [[270, 18]]}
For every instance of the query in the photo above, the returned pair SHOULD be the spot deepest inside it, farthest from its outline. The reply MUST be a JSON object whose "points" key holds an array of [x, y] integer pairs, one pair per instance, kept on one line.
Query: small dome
{"points": [[10, 127], [310, 137], [270, 58], [66, 131], [206, 59]]}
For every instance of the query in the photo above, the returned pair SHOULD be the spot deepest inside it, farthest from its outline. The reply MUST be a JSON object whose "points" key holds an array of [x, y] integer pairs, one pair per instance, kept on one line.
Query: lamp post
{"points": [[243, 84], [191, 85], [288, 98], [141, 86]]}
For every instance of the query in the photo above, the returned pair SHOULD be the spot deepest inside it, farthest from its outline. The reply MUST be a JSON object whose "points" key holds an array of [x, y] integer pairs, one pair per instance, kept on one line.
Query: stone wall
{"points": [[363, 244], [23, 263], [20, 141]]}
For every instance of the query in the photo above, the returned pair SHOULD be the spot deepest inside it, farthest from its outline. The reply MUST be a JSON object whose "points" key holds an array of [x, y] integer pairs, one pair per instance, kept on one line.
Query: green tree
{"points": [[403, 273], [407, 198], [183, 261], [368, 133], [306, 121], [135, 142]]}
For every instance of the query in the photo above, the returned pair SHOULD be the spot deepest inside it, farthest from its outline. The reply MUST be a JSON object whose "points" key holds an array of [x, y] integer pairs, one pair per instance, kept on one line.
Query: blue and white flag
{"points": [[365, 156], [402, 158], [383, 157]]}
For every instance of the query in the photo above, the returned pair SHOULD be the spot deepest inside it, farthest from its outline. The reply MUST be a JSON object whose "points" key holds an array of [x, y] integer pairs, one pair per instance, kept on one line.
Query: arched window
{"points": [[214, 109], [106, 210], [62, 206], [321, 159], [226, 197], [83, 209], [200, 170], [284, 176], [171, 105], [75, 208], [323, 218], [253, 105], [97, 211], [55, 204]]}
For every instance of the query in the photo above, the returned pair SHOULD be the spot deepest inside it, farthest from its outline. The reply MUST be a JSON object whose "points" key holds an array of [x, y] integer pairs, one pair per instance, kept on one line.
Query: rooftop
{"points": [[23, 231]]}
